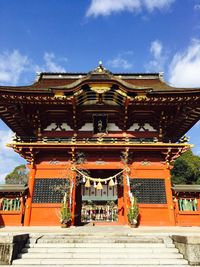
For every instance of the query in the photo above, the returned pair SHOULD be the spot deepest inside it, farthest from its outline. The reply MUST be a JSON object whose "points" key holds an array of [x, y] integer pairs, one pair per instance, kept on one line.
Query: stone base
{"points": [[189, 246]]}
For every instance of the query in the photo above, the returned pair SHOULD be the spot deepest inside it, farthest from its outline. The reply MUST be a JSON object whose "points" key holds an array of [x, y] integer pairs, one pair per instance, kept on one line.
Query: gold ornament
{"points": [[111, 182], [87, 184], [99, 186]]}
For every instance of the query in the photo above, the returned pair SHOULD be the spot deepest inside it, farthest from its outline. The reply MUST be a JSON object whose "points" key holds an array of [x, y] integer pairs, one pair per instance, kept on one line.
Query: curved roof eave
{"points": [[111, 80], [156, 85]]}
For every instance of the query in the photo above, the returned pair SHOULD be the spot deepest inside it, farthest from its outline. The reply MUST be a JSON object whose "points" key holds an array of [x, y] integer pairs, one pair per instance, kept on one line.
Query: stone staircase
{"points": [[98, 250]]}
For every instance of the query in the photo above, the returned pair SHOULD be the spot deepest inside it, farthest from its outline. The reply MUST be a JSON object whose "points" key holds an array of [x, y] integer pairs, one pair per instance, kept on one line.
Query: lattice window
{"points": [[149, 191], [45, 190]]}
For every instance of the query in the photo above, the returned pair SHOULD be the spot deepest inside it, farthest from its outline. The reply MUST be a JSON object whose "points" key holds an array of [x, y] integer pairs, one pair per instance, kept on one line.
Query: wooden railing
{"points": [[90, 140], [10, 204], [185, 204]]}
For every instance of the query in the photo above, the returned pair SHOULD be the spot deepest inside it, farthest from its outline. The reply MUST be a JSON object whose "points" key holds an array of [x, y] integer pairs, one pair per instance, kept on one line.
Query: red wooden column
{"points": [[28, 204], [22, 208], [170, 202], [120, 205]]}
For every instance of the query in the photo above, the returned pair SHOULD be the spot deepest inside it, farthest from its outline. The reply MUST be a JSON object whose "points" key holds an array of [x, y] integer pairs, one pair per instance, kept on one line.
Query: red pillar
{"points": [[28, 204], [170, 202]]}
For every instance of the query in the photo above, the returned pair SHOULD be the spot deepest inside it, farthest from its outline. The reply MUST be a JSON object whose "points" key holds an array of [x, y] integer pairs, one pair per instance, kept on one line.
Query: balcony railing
{"points": [[91, 140]]}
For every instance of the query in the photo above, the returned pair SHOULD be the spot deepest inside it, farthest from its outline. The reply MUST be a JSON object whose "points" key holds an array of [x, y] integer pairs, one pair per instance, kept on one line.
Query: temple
{"points": [[105, 135]]}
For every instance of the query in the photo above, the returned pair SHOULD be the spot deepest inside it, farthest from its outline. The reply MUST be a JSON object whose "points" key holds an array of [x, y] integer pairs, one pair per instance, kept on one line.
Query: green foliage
{"points": [[65, 213], [18, 176], [186, 169], [133, 211]]}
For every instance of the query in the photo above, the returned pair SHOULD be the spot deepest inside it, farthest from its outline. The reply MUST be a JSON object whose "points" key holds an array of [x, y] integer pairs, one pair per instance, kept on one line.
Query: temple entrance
{"points": [[99, 205]]}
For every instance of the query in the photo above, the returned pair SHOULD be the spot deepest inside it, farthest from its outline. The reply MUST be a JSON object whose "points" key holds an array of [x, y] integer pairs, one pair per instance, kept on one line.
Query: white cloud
{"points": [[157, 4], [156, 48], [185, 66], [12, 65], [119, 63], [106, 7], [8, 158], [50, 63], [159, 58]]}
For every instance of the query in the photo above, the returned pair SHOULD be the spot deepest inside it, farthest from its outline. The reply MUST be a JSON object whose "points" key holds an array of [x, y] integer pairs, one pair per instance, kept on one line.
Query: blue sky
{"points": [[127, 35]]}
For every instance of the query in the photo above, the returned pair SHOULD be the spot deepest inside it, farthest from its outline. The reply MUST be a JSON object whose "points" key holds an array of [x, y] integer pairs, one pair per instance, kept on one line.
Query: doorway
{"points": [[98, 205]]}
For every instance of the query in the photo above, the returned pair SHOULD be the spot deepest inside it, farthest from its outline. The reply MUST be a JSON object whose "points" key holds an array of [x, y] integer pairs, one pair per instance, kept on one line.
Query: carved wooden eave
{"points": [[148, 99], [126, 98], [169, 151]]}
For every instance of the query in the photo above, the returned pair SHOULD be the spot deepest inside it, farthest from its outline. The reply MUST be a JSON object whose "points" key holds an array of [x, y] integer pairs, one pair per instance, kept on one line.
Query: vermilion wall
{"points": [[187, 218], [155, 214], [46, 213], [150, 214], [10, 218]]}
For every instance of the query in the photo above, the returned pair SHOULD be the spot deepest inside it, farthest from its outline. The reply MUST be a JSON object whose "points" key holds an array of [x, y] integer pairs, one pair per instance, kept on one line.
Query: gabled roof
{"points": [[127, 98], [131, 81]]}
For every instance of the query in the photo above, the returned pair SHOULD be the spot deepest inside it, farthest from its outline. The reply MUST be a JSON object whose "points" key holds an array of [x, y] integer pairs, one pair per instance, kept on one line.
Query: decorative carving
{"points": [[100, 162], [184, 139], [100, 140], [142, 127], [54, 162], [59, 95], [141, 96], [100, 88], [100, 69], [145, 163], [58, 127], [100, 123]]}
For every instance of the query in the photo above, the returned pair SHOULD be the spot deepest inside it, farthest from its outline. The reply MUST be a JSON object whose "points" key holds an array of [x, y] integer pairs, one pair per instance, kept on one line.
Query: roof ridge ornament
{"points": [[100, 69]]}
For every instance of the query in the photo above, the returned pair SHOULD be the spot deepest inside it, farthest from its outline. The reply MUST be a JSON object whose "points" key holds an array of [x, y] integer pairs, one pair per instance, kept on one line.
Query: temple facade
{"points": [[105, 136]]}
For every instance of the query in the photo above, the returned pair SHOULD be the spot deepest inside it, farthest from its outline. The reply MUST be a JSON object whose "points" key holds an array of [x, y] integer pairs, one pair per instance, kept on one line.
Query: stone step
{"points": [[94, 240], [102, 249], [103, 265], [99, 250], [100, 245], [105, 261], [101, 255]]}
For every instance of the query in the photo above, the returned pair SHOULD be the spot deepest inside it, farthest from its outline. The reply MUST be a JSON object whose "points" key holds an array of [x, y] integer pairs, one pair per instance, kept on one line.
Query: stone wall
{"points": [[10, 247], [189, 246]]}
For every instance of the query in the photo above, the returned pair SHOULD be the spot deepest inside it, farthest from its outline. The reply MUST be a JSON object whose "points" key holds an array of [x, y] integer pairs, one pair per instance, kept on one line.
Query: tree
{"points": [[186, 169], [18, 176]]}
